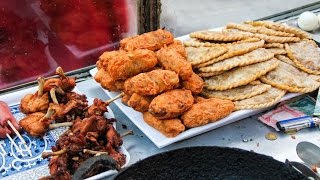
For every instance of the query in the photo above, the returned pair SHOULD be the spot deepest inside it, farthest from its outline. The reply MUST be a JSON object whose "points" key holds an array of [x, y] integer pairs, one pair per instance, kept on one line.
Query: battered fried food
{"points": [[106, 81], [151, 83], [172, 60], [178, 46], [168, 127], [139, 103], [194, 84], [125, 99], [152, 40], [207, 111], [122, 64], [171, 104]]}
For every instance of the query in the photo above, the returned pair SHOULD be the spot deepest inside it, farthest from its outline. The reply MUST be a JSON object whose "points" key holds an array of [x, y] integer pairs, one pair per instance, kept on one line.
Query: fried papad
{"points": [[280, 27], [209, 74], [289, 78], [235, 49], [273, 45], [258, 29], [306, 55], [240, 76], [194, 42], [238, 93], [252, 57], [277, 51], [198, 55], [218, 36], [266, 99]]}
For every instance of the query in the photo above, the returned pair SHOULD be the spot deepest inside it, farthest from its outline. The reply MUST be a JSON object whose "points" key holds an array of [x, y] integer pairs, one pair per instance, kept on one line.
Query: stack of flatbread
{"points": [[254, 63]]}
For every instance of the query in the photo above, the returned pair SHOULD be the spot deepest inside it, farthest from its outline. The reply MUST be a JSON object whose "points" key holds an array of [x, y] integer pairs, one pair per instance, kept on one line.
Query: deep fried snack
{"points": [[168, 127], [218, 36], [172, 60], [171, 104], [207, 111], [106, 81], [209, 74], [178, 46], [194, 84], [139, 103], [273, 45], [128, 64], [151, 83], [125, 98], [277, 51], [198, 55], [152, 40]]}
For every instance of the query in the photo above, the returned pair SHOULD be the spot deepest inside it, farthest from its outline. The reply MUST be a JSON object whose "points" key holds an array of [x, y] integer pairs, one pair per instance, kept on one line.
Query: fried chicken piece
{"points": [[106, 81], [114, 141], [178, 46], [170, 59], [72, 143], [67, 84], [58, 166], [39, 101], [151, 83], [168, 127], [63, 110], [194, 84], [139, 103], [207, 111], [36, 124], [152, 40], [127, 64], [98, 107], [171, 104], [91, 124], [198, 99]]}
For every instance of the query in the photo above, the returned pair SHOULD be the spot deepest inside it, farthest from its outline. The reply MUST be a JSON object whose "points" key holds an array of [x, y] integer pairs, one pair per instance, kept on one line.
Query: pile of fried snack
{"points": [[255, 63], [90, 132], [153, 73]]}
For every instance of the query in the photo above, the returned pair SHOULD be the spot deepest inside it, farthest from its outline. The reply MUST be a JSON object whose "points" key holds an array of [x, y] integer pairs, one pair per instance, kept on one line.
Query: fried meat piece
{"points": [[90, 124], [125, 99], [194, 84], [106, 81], [151, 83], [178, 46], [67, 84], [99, 107], [152, 40], [139, 103], [207, 111], [170, 59], [171, 104], [127, 64], [168, 127]]}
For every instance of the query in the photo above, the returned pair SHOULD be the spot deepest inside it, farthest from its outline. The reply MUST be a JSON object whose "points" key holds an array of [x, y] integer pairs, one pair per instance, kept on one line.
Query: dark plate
{"points": [[209, 163]]}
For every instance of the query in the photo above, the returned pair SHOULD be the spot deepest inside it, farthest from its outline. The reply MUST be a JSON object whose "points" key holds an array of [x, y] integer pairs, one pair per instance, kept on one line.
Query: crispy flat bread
{"points": [[238, 93], [235, 49], [240, 76], [252, 57], [306, 55], [218, 36], [289, 78], [209, 74], [273, 45], [266, 99], [198, 55], [277, 51]]}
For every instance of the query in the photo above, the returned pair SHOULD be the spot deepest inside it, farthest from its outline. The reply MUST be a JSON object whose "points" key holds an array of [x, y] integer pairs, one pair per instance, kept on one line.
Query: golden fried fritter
{"points": [[139, 103], [194, 84], [172, 60], [151, 83], [125, 98], [168, 127], [152, 40], [31, 103], [207, 111], [171, 104], [178, 46], [107, 82]]}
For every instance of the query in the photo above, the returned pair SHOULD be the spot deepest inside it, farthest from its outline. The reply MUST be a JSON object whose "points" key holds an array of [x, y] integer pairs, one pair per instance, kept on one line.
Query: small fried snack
{"points": [[218, 36], [151, 40], [198, 55], [106, 81], [266, 99], [273, 45], [238, 93], [151, 83], [277, 51], [168, 127], [255, 56], [194, 84], [207, 111], [289, 78], [172, 60], [171, 104], [209, 74], [178, 46], [240, 76], [306, 55], [139, 103]]}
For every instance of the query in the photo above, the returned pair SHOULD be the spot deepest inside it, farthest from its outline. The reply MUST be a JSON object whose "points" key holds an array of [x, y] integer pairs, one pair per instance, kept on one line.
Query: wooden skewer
{"points": [[92, 152], [53, 95], [57, 125], [130, 132], [60, 72], [56, 153], [20, 137], [41, 82], [14, 144], [49, 113], [115, 98]]}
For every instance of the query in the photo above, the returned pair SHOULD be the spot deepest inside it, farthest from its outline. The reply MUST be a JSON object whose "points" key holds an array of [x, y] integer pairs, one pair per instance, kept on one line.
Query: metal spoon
{"points": [[309, 153]]}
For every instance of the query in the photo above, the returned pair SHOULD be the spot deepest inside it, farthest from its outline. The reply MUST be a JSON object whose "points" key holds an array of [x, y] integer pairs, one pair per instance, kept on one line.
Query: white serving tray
{"points": [[15, 166]]}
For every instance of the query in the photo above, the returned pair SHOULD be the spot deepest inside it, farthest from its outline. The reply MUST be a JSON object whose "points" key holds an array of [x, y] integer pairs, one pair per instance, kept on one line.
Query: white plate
{"points": [[160, 140], [13, 166]]}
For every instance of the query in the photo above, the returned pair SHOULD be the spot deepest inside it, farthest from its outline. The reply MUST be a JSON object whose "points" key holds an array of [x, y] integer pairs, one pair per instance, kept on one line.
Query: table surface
{"points": [[248, 134]]}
